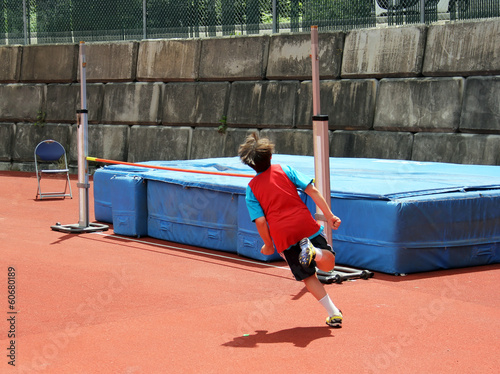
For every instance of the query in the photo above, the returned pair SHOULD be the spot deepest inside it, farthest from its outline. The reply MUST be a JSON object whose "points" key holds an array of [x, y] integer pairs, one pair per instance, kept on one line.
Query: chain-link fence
{"points": [[399, 12], [63, 21]]}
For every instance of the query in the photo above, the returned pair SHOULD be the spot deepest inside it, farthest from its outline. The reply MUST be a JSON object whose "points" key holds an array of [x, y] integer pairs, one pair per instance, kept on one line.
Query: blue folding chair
{"points": [[52, 153]]}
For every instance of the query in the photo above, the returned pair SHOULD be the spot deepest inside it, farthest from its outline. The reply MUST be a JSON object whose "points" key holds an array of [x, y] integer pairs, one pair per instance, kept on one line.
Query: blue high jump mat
{"points": [[398, 216]]}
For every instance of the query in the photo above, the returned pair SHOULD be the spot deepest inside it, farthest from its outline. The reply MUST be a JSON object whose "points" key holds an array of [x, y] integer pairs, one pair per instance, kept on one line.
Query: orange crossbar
{"points": [[105, 161]]}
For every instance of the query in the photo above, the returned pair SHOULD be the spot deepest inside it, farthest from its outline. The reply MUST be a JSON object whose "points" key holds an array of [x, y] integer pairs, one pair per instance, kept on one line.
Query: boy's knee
{"points": [[327, 262]]}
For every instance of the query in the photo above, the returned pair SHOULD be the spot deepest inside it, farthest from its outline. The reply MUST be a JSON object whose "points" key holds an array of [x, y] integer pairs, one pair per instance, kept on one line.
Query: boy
{"points": [[282, 217]]}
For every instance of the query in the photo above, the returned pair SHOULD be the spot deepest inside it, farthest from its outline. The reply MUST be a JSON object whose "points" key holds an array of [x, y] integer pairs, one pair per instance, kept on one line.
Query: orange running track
{"points": [[100, 303]]}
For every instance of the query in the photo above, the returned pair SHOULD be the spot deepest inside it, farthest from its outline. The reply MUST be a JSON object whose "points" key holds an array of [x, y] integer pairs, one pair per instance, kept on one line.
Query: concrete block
{"points": [[5, 166], [371, 144], [61, 103], [132, 103], [55, 63], [289, 56], [152, 143], [28, 167], [419, 104], [169, 60], [10, 63], [475, 149], [262, 104], [7, 131], [206, 142], [481, 106], [290, 142], [384, 52], [463, 48], [349, 103], [232, 140], [63, 100], [104, 141], [111, 62], [197, 103], [21, 102], [234, 58], [28, 136]]}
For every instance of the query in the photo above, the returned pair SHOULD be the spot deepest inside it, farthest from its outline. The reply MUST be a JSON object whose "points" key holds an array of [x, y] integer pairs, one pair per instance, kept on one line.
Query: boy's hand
{"points": [[334, 222], [267, 250]]}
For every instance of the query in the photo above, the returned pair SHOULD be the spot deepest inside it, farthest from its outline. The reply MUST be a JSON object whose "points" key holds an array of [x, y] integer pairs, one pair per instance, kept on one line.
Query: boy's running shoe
{"points": [[335, 320], [307, 253]]}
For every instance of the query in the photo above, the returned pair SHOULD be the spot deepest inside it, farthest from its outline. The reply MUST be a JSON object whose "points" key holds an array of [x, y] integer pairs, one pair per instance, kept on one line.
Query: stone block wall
{"points": [[426, 93]]}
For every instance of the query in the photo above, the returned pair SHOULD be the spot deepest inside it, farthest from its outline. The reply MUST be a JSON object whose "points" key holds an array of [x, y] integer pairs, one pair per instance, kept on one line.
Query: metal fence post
{"points": [[25, 23], [275, 18], [144, 20], [422, 11]]}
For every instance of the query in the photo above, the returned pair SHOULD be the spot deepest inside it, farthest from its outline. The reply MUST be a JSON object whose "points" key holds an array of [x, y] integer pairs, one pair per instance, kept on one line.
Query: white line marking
{"points": [[193, 251]]}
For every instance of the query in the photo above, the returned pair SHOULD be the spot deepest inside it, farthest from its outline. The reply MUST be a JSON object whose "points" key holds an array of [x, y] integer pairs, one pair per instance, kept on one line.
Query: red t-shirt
{"points": [[288, 217]]}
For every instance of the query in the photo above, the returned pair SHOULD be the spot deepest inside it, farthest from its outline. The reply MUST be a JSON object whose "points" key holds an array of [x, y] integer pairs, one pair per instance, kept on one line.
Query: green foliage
{"points": [[11, 16], [331, 11], [40, 118], [223, 125]]}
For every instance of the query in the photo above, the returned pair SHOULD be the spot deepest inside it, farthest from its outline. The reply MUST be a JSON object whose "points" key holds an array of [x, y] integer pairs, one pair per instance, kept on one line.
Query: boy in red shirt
{"points": [[283, 218]]}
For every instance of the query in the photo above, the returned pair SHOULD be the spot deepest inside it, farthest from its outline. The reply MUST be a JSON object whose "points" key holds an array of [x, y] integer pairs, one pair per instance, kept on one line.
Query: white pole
{"points": [[320, 138], [83, 176], [83, 184], [315, 69]]}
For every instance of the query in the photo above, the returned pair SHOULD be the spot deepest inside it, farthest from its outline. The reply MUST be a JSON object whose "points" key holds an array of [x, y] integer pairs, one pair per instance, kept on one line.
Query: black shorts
{"points": [[291, 256]]}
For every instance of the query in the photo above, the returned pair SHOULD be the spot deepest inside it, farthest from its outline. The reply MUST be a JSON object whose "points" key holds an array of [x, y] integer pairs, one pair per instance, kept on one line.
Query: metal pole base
{"points": [[77, 229], [340, 274]]}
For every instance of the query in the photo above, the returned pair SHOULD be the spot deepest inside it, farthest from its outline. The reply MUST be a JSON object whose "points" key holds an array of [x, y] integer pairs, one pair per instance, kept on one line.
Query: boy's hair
{"points": [[256, 152]]}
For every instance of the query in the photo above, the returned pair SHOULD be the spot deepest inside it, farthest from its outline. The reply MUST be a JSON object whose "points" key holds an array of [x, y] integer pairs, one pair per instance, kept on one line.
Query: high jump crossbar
{"points": [[106, 161]]}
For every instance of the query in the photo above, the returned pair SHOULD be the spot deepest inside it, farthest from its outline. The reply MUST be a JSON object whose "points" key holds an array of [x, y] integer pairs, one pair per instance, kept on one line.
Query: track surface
{"points": [[101, 303]]}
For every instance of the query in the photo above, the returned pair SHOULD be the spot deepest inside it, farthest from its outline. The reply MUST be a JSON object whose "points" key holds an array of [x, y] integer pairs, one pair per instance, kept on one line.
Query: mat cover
{"points": [[397, 216]]}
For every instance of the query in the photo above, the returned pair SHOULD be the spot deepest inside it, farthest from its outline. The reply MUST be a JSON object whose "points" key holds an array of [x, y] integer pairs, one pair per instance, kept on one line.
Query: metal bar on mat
{"points": [[106, 161]]}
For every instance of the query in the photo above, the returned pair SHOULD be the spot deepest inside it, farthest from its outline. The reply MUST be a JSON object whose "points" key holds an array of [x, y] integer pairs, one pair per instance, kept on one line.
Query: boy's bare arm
{"points": [[320, 201], [263, 229]]}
